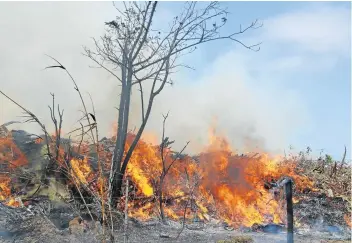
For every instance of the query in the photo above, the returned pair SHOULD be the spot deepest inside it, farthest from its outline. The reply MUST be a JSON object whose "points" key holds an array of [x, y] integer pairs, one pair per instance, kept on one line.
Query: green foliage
{"points": [[328, 159]]}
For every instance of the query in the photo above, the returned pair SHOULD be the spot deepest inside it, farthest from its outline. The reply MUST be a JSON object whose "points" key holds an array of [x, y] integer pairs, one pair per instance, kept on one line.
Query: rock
{"points": [[330, 193], [256, 227], [229, 228], [268, 228], [272, 228], [164, 235], [76, 226]]}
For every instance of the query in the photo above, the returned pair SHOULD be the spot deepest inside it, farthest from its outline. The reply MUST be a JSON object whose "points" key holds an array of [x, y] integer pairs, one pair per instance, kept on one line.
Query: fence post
{"points": [[289, 208]]}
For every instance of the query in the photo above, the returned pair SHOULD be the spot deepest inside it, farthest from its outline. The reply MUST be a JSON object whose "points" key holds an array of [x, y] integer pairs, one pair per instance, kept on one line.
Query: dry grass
{"points": [[330, 177]]}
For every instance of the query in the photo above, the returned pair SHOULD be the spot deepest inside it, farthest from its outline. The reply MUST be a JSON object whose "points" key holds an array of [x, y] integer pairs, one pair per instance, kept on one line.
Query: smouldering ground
{"points": [[327, 197], [18, 225]]}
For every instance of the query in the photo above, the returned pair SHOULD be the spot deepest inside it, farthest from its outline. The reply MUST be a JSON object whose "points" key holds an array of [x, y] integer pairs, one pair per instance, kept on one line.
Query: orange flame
{"points": [[81, 169], [348, 220], [11, 157], [5, 189], [232, 185], [223, 184]]}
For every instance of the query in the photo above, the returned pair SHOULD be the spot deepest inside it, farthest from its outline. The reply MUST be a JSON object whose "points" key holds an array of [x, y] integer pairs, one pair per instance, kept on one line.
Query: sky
{"points": [[296, 91]]}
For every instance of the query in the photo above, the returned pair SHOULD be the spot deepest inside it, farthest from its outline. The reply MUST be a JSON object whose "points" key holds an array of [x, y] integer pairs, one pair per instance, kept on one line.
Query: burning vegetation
{"points": [[125, 175], [239, 189]]}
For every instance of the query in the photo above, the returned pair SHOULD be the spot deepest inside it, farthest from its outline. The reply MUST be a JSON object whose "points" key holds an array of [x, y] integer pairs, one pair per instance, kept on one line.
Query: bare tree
{"points": [[134, 53], [164, 154], [58, 126]]}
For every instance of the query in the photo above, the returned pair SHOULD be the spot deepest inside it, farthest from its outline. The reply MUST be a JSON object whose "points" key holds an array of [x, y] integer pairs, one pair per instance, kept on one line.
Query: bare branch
{"points": [[88, 54], [137, 53], [33, 118]]}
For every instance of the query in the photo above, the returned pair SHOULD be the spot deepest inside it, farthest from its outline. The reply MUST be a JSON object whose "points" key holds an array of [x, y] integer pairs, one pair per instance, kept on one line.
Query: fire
{"points": [[142, 213], [38, 140], [12, 202], [295, 200], [5, 193], [5, 189], [150, 137], [217, 182], [141, 180], [11, 157], [240, 197], [143, 166], [348, 220], [81, 169], [229, 186]]}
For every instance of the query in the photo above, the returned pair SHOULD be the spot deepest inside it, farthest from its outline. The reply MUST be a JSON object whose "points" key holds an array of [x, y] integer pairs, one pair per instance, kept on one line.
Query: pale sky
{"points": [[295, 91]]}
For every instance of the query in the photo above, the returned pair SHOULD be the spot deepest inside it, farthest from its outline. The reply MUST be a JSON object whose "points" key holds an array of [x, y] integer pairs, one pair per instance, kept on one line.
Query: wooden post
{"points": [[289, 207], [125, 239]]}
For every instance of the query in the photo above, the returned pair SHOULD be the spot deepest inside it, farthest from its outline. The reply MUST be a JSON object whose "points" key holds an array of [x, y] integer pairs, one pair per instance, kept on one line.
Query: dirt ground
{"points": [[39, 229], [26, 225]]}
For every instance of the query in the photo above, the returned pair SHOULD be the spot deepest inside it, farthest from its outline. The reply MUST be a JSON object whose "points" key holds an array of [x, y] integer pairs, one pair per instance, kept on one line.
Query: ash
{"points": [[36, 224]]}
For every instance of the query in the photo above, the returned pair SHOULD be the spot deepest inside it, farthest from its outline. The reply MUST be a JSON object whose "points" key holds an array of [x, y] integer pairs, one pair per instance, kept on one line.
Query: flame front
{"points": [[236, 182], [217, 182], [230, 186]]}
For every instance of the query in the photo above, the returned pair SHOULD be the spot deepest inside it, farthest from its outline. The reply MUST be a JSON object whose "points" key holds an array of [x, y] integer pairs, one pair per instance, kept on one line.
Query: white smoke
{"points": [[232, 89]]}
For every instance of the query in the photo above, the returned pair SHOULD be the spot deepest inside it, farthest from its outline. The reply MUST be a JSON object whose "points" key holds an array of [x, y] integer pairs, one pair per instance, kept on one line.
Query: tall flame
{"points": [[217, 182]]}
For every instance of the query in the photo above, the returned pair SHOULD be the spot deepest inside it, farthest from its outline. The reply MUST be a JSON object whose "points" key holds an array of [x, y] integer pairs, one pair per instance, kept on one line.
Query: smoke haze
{"points": [[235, 92]]}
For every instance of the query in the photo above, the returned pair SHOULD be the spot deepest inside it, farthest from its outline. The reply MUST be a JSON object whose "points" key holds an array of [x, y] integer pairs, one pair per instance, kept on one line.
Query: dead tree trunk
{"points": [[161, 205], [116, 174]]}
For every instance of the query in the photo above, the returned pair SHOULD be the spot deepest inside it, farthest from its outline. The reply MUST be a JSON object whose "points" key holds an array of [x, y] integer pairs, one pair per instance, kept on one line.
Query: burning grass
{"points": [[238, 189], [11, 158]]}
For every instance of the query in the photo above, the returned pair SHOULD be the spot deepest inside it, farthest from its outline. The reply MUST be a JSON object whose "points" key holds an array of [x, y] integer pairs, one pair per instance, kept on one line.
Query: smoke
{"points": [[250, 113]]}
